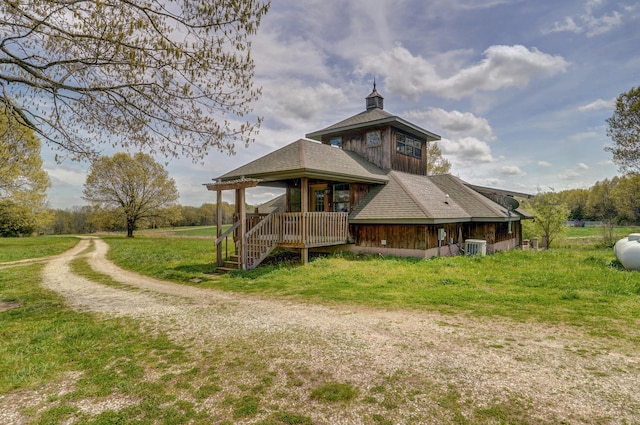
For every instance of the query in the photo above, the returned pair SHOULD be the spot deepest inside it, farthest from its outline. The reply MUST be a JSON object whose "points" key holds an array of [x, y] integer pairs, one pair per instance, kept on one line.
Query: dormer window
{"points": [[408, 145]]}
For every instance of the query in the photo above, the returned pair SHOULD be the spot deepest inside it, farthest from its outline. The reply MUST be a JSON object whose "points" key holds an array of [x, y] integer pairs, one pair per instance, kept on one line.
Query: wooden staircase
{"points": [[257, 244], [230, 264], [288, 230]]}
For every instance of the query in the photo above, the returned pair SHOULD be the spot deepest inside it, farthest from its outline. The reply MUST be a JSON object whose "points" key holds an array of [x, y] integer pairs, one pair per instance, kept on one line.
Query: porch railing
{"points": [[294, 230]]}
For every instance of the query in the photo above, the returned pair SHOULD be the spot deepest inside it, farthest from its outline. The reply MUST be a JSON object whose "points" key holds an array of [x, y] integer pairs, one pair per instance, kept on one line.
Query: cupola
{"points": [[374, 100]]}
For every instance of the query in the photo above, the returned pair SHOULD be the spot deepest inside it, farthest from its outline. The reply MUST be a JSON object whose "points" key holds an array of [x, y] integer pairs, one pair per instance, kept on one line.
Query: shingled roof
{"points": [[395, 197], [374, 117], [411, 198], [306, 158]]}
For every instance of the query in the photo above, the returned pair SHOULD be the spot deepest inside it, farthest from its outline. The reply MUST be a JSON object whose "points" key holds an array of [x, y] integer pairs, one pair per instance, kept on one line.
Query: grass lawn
{"points": [[78, 358], [44, 342], [13, 249], [582, 286], [206, 231]]}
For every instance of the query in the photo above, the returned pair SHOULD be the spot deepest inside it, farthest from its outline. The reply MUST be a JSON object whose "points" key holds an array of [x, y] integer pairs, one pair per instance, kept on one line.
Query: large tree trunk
{"points": [[130, 227]]}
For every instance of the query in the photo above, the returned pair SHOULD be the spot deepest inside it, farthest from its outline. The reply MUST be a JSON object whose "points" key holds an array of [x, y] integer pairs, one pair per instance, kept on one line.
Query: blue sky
{"points": [[518, 90]]}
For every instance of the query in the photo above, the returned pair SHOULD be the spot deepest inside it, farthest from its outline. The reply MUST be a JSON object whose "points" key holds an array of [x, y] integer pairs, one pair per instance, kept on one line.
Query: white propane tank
{"points": [[627, 251]]}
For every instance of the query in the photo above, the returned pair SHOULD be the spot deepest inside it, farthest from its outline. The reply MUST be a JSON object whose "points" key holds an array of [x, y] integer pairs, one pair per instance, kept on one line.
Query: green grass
{"points": [[178, 259], [47, 347], [595, 232], [13, 249], [43, 342], [579, 286], [204, 231], [334, 392]]}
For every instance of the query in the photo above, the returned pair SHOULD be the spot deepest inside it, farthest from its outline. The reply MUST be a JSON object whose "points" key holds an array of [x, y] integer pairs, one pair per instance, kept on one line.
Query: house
{"points": [[362, 184]]}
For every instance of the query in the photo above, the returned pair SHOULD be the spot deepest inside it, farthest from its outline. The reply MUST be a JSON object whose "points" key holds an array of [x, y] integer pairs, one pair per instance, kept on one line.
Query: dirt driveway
{"points": [[565, 374]]}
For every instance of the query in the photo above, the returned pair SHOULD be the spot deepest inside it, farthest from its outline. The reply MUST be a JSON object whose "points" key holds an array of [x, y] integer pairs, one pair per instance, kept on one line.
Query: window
{"points": [[336, 142], [319, 200], [374, 138], [295, 204], [408, 145], [341, 198]]}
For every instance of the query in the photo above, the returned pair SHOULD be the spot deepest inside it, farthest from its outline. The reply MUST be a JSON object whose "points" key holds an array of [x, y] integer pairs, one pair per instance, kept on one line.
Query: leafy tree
{"points": [[168, 76], [626, 197], [624, 130], [551, 214], [21, 173], [16, 219], [23, 182], [72, 221], [436, 163], [600, 204], [137, 187], [576, 201]]}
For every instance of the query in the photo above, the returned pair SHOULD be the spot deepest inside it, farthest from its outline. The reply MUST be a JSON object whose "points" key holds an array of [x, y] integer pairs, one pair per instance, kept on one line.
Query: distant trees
{"points": [[172, 77], [624, 130], [87, 219], [131, 188]]}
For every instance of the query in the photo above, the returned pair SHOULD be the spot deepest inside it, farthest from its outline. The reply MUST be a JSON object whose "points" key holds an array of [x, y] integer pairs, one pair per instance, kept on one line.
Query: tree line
{"points": [[88, 219], [614, 200]]}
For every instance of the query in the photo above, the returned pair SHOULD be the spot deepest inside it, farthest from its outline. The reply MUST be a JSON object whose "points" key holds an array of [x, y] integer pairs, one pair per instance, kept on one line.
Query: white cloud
{"points": [[575, 173], [459, 123], [512, 170], [298, 101], [466, 150], [296, 57], [72, 175], [544, 164], [585, 135], [502, 67], [570, 175], [598, 104], [588, 23]]}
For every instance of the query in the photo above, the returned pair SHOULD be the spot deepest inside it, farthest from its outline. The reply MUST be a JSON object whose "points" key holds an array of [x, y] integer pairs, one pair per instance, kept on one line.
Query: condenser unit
{"points": [[475, 247]]}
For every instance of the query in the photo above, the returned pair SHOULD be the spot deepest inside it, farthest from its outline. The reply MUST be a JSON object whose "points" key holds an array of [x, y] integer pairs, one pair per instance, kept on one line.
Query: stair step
{"points": [[225, 269]]}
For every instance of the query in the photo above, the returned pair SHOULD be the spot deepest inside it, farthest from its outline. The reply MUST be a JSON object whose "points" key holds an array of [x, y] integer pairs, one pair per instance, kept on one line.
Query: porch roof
{"points": [[306, 158], [374, 117]]}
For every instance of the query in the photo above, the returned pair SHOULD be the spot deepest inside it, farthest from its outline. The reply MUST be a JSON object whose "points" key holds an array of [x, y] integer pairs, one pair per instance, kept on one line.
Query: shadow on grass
{"points": [[194, 269]]}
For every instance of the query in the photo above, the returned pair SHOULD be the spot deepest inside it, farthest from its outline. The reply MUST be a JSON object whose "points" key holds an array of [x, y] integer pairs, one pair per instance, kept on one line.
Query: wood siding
{"points": [[385, 155], [357, 142], [357, 193], [425, 236]]}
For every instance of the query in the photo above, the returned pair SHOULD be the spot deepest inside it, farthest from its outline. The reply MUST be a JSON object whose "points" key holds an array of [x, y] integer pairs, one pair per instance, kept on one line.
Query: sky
{"points": [[519, 91]]}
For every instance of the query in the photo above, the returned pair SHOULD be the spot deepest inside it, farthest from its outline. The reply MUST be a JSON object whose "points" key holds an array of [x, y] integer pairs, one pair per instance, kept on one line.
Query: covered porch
{"points": [[257, 235]]}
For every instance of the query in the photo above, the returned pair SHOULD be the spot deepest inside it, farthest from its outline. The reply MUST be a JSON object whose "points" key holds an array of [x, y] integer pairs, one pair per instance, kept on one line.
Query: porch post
{"points": [[304, 200], [219, 227], [242, 213]]}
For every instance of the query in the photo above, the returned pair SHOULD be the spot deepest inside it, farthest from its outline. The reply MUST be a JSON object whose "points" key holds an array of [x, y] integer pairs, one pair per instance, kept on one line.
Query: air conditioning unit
{"points": [[475, 247]]}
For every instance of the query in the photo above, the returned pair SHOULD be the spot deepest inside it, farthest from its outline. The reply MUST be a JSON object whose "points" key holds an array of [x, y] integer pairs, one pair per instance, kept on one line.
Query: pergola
{"points": [[239, 185]]}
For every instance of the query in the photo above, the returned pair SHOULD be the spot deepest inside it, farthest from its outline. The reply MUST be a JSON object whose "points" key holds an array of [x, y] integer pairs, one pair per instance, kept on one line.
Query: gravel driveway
{"points": [[564, 373]]}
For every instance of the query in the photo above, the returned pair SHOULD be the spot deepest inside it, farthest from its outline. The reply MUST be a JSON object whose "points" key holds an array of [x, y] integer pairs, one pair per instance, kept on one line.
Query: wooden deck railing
{"points": [[294, 230]]}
